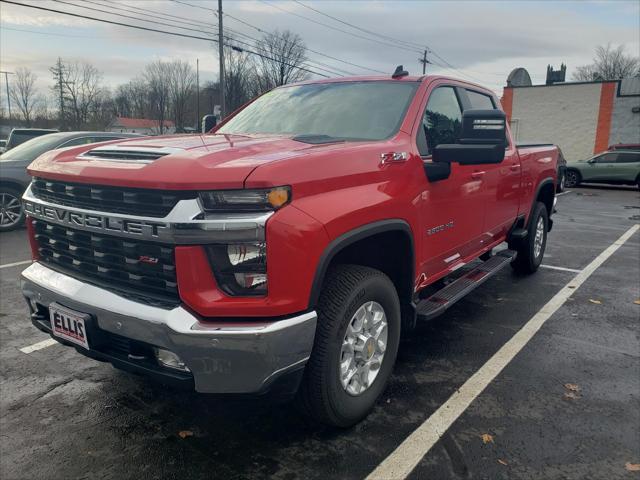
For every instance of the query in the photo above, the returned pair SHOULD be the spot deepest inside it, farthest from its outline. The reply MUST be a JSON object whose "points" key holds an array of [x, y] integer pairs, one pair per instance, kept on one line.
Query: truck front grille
{"points": [[131, 201], [141, 270]]}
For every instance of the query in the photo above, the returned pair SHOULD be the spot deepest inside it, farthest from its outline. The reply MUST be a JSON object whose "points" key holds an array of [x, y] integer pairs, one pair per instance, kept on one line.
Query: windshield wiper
{"points": [[317, 139]]}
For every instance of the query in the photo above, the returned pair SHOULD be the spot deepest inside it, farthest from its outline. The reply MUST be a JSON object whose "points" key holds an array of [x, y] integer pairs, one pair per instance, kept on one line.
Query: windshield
{"points": [[317, 113], [32, 149]]}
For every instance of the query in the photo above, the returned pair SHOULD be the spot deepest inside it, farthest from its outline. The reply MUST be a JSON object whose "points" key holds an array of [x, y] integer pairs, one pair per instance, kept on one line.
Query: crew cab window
{"points": [[628, 158], [480, 101], [441, 122]]}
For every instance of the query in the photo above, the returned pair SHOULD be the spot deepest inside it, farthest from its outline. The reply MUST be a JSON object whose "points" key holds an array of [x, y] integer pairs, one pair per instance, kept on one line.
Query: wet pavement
{"points": [[65, 416]]}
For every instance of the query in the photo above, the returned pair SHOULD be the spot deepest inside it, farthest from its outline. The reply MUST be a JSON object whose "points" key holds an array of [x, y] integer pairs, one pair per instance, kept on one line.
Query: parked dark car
{"points": [[14, 178], [20, 135], [624, 146]]}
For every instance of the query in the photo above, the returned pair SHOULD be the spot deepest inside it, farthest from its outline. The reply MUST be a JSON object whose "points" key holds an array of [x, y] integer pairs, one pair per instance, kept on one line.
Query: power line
{"points": [[267, 32], [129, 16], [148, 29], [377, 34], [340, 30]]}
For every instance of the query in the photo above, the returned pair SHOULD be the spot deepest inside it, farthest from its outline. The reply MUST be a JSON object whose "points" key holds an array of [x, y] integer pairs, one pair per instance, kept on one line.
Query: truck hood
{"points": [[184, 162]]}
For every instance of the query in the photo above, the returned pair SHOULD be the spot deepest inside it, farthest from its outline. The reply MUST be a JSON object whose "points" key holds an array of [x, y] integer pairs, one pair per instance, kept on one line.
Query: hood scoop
{"points": [[126, 153]]}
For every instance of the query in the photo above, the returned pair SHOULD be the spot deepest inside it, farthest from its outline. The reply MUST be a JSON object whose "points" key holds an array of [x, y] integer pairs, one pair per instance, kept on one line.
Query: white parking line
{"points": [[563, 193], [15, 264], [404, 459], [39, 346], [562, 269]]}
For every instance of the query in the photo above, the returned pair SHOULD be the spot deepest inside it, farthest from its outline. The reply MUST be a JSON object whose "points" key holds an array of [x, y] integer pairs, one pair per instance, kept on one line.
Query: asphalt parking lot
{"points": [[567, 406]]}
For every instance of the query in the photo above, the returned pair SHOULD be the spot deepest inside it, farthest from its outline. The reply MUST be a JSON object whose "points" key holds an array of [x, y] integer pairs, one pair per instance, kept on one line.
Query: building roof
{"points": [[139, 123]]}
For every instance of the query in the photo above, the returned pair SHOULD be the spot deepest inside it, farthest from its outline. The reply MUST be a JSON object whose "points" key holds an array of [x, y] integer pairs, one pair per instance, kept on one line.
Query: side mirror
{"points": [[208, 122], [591, 160], [482, 140]]}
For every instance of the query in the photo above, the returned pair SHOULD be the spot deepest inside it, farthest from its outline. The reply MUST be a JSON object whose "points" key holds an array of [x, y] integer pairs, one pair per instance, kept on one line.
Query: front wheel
{"points": [[572, 178], [531, 250], [355, 346], [11, 209]]}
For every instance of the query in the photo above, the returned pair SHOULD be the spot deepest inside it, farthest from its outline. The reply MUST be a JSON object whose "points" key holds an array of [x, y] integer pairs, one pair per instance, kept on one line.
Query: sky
{"points": [[474, 40]]}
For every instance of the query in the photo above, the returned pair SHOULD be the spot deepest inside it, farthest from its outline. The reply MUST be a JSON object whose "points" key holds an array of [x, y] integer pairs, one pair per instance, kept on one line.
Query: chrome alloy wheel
{"points": [[363, 348], [538, 241], [10, 210]]}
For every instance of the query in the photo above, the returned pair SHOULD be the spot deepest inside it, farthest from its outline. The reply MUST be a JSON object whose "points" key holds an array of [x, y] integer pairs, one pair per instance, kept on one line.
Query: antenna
{"points": [[400, 72]]}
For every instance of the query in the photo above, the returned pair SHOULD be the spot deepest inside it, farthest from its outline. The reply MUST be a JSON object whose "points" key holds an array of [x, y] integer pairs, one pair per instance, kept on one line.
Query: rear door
{"points": [[627, 167], [502, 191]]}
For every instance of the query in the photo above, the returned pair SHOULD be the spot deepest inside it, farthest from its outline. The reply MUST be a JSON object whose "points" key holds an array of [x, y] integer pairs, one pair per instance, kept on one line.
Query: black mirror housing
{"points": [[208, 122], [484, 127], [483, 139], [468, 154]]}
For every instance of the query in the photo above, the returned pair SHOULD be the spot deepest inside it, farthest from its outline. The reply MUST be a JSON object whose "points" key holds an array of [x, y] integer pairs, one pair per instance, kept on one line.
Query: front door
{"points": [[599, 168], [452, 209]]}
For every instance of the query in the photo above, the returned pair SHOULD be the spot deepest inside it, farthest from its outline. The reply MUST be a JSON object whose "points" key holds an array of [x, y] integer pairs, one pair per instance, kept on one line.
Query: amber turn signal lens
{"points": [[278, 197]]}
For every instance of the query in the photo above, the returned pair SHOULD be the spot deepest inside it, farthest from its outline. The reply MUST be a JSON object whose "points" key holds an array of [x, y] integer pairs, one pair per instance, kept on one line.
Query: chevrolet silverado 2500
{"points": [[287, 249]]}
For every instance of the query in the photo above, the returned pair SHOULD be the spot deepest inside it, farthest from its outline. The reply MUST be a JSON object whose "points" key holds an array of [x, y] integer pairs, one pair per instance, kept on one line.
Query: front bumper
{"points": [[237, 356]]}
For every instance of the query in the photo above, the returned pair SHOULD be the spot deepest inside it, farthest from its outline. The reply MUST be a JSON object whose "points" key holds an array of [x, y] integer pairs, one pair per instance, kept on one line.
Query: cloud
{"points": [[483, 40]]}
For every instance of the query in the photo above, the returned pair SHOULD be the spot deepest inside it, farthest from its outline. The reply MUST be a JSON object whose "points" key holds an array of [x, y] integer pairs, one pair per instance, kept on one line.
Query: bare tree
{"points": [[132, 99], [78, 89], [182, 80], [282, 55], [609, 64], [240, 78], [157, 77], [23, 93]]}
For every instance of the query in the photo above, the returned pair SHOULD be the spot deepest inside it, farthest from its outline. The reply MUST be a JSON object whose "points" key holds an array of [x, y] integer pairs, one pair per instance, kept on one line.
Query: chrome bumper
{"points": [[242, 357]]}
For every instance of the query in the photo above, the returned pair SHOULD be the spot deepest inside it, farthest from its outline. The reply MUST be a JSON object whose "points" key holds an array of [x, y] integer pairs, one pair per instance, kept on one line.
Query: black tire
{"points": [[572, 178], [321, 395], [11, 209], [561, 182], [527, 261]]}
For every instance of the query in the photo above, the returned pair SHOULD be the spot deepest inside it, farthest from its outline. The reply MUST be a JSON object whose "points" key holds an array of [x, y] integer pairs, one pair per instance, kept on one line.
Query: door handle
{"points": [[515, 166], [478, 175]]}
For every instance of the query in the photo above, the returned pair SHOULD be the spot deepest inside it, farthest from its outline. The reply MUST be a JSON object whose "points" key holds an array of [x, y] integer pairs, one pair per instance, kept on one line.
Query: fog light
{"points": [[169, 359]]}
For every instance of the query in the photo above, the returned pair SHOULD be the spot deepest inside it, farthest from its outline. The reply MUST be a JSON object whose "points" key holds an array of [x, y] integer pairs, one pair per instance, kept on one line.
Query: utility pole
{"points": [[424, 61], [223, 109], [6, 82], [199, 127]]}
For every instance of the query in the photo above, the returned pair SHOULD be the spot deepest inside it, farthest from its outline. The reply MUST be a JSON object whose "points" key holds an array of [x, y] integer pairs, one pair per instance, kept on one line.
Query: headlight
{"points": [[240, 268], [245, 200]]}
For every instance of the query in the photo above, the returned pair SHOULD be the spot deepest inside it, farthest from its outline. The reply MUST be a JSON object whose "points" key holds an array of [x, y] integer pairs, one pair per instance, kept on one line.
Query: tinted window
{"points": [[441, 122], [480, 101], [35, 147], [77, 141], [607, 158], [344, 110], [628, 158]]}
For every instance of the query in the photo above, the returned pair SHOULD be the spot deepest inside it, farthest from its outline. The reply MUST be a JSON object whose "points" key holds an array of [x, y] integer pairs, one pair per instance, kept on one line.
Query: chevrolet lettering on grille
{"points": [[95, 222]]}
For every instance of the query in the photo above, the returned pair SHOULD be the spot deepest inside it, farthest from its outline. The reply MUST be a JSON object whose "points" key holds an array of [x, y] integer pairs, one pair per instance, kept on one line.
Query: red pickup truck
{"points": [[289, 248]]}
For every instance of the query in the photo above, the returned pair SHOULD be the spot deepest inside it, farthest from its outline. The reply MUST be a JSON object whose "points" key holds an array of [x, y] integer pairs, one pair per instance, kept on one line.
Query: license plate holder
{"points": [[69, 325]]}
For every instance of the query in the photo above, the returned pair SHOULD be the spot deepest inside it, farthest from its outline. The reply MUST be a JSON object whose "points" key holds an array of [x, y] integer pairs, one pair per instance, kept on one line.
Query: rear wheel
{"points": [[355, 346], [572, 178], [531, 250], [11, 209]]}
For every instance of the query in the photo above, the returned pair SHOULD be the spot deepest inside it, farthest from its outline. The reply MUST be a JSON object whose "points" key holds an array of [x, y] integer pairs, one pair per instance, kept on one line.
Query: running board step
{"points": [[441, 300]]}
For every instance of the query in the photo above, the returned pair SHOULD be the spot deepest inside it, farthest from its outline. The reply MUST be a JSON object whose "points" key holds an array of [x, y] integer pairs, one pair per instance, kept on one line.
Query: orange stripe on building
{"points": [[605, 113], [507, 101]]}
